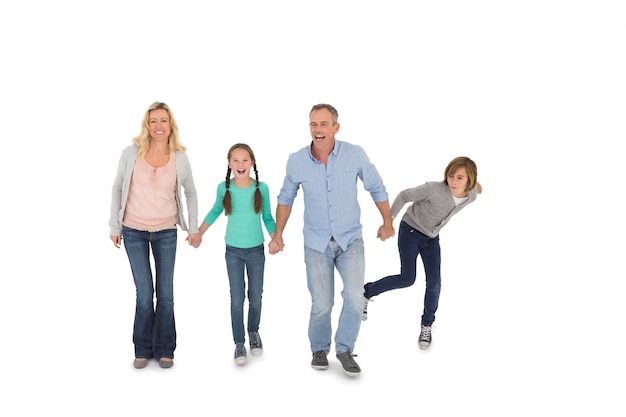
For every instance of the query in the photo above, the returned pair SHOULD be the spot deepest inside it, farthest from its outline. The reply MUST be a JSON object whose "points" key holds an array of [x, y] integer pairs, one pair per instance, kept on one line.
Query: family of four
{"points": [[154, 177]]}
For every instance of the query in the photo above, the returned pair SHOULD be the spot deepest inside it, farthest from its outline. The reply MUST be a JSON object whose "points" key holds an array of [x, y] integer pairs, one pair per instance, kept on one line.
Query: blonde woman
{"points": [[146, 209]]}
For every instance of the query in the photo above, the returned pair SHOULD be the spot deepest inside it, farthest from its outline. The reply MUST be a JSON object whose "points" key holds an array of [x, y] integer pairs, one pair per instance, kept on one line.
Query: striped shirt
{"points": [[331, 206]]}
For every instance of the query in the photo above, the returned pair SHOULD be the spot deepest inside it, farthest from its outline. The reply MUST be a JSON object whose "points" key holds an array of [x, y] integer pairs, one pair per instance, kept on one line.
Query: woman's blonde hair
{"points": [[143, 139], [470, 169]]}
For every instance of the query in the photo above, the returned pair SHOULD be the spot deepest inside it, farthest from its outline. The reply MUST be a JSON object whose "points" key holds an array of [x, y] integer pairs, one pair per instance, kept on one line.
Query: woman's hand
{"points": [[117, 240]]}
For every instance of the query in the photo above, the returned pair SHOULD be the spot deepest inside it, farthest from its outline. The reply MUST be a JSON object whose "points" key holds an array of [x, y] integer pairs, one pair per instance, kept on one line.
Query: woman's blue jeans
{"points": [[320, 271], [238, 262], [411, 243], [154, 331]]}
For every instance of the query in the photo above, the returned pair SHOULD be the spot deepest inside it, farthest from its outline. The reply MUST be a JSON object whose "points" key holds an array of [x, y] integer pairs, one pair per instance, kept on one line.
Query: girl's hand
{"points": [[276, 245], [194, 239]]}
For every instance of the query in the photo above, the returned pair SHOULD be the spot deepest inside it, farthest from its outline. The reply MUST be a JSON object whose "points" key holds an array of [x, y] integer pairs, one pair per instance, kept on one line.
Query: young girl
{"points": [[245, 201], [434, 203]]}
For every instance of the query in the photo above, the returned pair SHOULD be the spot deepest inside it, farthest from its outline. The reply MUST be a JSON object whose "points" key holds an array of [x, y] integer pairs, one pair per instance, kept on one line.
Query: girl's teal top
{"points": [[243, 229]]}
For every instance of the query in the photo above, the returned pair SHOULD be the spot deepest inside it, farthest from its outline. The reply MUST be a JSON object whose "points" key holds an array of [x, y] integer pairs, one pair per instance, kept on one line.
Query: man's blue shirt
{"points": [[331, 206]]}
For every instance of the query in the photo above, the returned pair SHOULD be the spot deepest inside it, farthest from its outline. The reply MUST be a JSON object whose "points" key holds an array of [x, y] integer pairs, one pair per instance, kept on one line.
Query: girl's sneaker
{"points": [[256, 346], [241, 356]]}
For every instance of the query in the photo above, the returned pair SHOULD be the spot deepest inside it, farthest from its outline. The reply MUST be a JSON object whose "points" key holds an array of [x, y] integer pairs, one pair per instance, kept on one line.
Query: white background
{"points": [[532, 305]]}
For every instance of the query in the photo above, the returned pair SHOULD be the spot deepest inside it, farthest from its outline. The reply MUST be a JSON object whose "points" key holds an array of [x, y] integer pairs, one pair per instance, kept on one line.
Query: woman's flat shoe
{"points": [[166, 362], [140, 363]]}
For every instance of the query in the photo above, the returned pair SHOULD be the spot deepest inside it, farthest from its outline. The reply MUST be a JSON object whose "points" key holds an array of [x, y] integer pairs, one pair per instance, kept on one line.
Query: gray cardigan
{"points": [[122, 184], [432, 208]]}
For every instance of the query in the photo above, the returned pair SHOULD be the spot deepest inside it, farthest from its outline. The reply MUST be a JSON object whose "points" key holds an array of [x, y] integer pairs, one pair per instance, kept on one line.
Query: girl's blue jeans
{"points": [[240, 261]]}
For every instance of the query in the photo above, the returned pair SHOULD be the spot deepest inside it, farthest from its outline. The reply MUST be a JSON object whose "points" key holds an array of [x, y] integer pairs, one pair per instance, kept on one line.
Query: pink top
{"points": [[151, 204]]}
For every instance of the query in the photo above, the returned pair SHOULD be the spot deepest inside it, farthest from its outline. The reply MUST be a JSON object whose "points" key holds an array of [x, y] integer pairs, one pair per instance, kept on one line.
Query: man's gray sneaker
{"points": [[425, 337], [350, 366], [256, 346], [320, 361]]}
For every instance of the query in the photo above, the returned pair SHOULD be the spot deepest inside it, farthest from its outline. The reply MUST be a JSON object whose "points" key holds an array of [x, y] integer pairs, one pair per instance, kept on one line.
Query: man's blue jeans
{"points": [[320, 268], [239, 261], [411, 243], [154, 332]]}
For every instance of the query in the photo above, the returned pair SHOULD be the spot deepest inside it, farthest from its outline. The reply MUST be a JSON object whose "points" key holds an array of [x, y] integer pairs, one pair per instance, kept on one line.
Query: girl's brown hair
{"points": [[258, 199], [470, 169]]}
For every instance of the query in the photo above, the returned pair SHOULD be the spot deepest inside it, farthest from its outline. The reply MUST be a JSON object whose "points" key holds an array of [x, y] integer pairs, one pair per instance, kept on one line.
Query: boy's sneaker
{"points": [[320, 361], [425, 337], [256, 346], [241, 357], [350, 366], [364, 316]]}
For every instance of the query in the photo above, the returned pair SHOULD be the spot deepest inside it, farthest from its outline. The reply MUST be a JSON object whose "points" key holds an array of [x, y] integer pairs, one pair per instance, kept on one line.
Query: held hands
{"points": [[194, 239], [385, 232], [276, 244]]}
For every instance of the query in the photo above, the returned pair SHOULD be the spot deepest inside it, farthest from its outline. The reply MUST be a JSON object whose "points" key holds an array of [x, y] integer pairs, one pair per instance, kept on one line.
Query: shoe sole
{"points": [[351, 373], [319, 367], [256, 352], [242, 360]]}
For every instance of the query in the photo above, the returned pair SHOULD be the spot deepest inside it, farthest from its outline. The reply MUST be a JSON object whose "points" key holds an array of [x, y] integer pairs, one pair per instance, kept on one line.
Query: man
{"points": [[327, 170]]}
